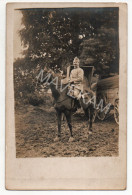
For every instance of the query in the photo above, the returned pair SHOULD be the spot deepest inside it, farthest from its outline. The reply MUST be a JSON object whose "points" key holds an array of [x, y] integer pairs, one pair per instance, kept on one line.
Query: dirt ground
{"points": [[36, 128]]}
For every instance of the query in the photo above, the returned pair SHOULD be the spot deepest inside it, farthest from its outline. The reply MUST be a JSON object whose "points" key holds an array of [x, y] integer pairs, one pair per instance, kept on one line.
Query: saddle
{"points": [[75, 94], [86, 95]]}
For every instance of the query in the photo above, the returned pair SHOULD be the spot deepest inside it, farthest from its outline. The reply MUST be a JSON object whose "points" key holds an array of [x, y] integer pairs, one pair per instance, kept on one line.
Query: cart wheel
{"points": [[101, 114], [116, 111]]}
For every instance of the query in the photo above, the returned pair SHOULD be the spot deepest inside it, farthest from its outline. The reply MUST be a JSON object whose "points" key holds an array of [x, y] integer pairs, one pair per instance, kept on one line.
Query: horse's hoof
{"points": [[71, 139], [57, 139]]}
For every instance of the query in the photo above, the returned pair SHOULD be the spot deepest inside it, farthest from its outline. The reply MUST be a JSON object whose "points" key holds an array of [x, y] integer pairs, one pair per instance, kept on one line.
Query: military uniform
{"points": [[77, 75]]}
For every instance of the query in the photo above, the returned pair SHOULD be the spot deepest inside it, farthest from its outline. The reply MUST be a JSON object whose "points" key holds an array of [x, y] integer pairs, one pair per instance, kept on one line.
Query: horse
{"points": [[64, 104]]}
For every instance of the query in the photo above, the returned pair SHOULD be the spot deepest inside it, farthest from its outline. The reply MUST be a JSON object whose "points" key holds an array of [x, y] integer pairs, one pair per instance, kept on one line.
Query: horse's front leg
{"points": [[90, 121], [68, 118], [59, 115]]}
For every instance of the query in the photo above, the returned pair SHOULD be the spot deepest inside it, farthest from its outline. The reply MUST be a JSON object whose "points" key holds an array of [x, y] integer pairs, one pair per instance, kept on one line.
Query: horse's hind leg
{"points": [[59, 114], [68, 118]]}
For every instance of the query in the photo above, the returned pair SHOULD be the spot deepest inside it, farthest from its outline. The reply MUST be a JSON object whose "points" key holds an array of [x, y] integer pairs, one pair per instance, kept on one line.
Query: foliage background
{"points": [[53, 37]]}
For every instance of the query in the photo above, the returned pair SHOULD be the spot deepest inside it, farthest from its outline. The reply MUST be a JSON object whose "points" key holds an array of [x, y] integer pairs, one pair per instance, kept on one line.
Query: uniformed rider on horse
{"points": [[76, 82]]}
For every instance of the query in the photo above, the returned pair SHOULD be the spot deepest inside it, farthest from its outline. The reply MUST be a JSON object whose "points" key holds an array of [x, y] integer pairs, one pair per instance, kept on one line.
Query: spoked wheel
{"points": [[101, 113], [116, 111]]}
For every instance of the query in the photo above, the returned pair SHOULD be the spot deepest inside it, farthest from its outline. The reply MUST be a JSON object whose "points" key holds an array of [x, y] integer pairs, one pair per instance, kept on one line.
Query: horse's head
{"points": [[45, 76]]}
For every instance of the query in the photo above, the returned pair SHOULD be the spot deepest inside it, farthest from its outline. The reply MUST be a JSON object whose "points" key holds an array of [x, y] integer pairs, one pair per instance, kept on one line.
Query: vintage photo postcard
{"points": [[66, 104]]}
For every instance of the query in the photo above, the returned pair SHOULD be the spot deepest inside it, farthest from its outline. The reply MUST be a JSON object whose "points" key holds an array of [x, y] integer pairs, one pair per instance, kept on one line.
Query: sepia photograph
{"points": [[66, 82], [68, 85]]}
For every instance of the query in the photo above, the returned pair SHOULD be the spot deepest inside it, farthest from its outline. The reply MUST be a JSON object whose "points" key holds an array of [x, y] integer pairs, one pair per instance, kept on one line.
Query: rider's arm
{"points": [[71, 78]]}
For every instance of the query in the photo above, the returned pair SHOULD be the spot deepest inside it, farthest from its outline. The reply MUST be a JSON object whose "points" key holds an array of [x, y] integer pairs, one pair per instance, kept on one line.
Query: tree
{"points": [[101, 48], [55, 36], [51, 36]]}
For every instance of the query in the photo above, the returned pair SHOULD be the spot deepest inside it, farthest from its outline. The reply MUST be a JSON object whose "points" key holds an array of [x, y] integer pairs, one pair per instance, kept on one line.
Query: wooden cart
{"points": [[108, 91]]}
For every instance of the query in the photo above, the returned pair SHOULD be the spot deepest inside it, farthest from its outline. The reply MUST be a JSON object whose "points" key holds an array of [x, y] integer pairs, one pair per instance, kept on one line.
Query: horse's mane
{"points": [[57, 89]]}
